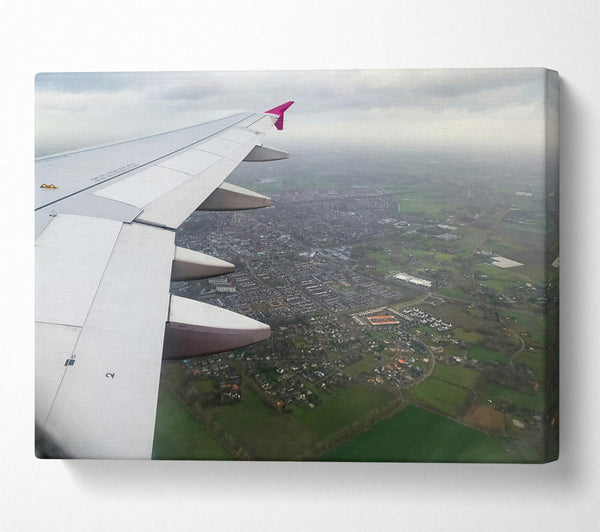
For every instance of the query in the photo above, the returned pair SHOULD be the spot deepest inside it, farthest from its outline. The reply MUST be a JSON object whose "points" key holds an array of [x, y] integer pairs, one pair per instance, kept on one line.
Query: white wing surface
{"points": [[105, 255]]}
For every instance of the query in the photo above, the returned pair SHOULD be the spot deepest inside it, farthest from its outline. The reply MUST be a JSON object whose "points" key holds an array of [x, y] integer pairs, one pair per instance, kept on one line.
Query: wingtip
{"points": [[278, 111]]}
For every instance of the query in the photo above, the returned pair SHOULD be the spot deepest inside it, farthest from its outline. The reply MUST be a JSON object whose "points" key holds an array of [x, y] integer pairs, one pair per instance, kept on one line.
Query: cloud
{"points": [[423, 108]]}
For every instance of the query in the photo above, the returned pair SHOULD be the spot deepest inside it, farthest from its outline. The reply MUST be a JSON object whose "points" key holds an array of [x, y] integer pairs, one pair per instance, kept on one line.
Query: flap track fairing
{"points": [[230, 197], [263, 154], [196, 329], [189, 265]]}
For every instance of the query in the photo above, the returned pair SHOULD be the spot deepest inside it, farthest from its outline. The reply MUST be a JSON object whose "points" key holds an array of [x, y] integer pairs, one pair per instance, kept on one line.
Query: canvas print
{"points": [[357, 265]]}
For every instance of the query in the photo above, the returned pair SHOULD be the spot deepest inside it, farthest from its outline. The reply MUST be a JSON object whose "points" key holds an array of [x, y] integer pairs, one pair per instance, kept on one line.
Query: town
{"points": [[373, 307]]}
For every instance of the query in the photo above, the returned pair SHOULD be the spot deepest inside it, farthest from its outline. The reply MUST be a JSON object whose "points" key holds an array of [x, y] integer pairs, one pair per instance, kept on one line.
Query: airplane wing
{"points": [[105, 255]]}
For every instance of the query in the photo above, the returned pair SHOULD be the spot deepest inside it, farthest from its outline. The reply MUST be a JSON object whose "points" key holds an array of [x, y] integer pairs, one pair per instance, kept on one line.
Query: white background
{"points": [[178, 35]]}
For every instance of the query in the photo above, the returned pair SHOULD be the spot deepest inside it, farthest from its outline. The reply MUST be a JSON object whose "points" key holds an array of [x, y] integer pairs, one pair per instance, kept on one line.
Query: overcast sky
{"points": [[498, 110]]}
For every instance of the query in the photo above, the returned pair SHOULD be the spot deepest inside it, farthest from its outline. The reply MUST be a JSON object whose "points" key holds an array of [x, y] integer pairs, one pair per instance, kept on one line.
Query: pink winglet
{"points": [[279, 110]]}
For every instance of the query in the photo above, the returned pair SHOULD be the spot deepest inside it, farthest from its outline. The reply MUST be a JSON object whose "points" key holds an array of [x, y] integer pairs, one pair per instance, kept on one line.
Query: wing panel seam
{"points": [[140, 166], [112, 251]]}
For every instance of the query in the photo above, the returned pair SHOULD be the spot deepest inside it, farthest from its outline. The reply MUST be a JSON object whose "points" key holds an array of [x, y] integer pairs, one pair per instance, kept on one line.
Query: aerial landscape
{"points": [[407, 297], [408, 266]]}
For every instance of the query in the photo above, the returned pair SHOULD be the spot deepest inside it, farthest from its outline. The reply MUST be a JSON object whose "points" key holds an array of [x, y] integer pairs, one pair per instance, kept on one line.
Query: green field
{"points": [[522, 248], [533, 402], [364, 365], [486, 355], [384, 263], [432, 208], [530, 323], [452, 349], [416, 435], [275, 186], [263, 433], [455, 293], [319, 181], [457, 375], [471, 237], [536, 360], [535, 272], [441, 395], [470, 337], [460, 316], [337, 412], [179, 436], [503, 277], [443, 258], [500, 286], [301, 343]]}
